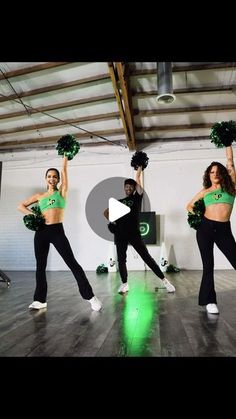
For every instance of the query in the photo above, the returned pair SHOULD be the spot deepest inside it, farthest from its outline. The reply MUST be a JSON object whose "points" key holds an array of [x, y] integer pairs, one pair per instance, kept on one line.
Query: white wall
{"points": [[170, 180]]}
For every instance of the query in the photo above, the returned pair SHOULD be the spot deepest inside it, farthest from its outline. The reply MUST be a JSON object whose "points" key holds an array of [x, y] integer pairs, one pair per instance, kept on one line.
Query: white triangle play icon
{"points": [[117, 209]]}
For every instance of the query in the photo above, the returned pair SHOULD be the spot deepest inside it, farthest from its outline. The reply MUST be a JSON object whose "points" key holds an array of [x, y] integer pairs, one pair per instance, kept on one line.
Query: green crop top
{"points": [[218, 197], [52, 201]]}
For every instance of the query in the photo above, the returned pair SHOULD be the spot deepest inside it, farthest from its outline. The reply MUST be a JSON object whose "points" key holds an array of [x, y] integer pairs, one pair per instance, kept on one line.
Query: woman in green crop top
{"points": [[52, 204], [218, 194]]}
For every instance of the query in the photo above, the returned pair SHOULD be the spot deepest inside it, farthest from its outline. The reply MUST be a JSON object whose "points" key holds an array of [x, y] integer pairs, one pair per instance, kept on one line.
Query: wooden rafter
{"points": [[174, 127], [32, 69], [124, 85], [55, 123], [56, 87], [61, 106], [189, 109], [52, 140], [185, 90], [77, 97], [193, 67], [116, 86]]}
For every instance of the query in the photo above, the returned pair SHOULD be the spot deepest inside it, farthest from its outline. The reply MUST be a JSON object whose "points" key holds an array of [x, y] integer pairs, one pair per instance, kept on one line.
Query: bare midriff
{"points": [[53, 215], [218, 212]]}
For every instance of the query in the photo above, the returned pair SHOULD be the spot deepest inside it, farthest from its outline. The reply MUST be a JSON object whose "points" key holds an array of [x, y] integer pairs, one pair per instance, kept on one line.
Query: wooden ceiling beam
{"points": [[123, 76], [55, 123], [186, 90], [161, 140], [192, 67], [52, 146], [189, 109], [56, 87], [53, 139], [174, 127], [32, 69], [60, 106], [117, 88]]}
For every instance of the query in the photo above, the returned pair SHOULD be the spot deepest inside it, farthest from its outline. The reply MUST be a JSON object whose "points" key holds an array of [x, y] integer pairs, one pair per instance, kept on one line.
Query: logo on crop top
{"points": [[51, 201], [217, 196]]}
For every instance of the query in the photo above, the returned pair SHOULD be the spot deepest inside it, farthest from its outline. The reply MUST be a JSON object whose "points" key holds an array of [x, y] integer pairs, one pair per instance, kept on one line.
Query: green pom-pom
{"points": [[67, 145], [199, 207], [195, 219], [223, 133], [101, 269], [172, 269], [139, 159], [36, 210], [34, 222]]}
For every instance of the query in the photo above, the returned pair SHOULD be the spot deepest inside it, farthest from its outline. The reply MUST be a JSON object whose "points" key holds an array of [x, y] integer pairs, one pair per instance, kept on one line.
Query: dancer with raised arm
{"points": [[126, 228], [218, 195], [52, 203]]}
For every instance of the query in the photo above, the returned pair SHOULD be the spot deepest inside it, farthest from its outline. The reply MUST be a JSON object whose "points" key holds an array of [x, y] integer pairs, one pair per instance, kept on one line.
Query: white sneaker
{"points": [[168, 285], [36, 305], [96, 304], [212, 308], [124, 287]]}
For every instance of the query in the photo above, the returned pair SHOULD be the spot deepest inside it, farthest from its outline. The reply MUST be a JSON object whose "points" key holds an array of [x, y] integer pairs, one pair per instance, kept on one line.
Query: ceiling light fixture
{"points": [[164, 83]]}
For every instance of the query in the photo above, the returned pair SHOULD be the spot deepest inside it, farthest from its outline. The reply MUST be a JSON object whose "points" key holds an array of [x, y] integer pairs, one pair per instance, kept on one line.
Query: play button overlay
{"points": [[98, 200], [117, 209]]}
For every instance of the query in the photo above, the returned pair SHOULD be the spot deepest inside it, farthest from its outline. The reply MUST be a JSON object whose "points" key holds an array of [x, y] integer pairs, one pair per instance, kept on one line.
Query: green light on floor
{"points": [[138, 315]]}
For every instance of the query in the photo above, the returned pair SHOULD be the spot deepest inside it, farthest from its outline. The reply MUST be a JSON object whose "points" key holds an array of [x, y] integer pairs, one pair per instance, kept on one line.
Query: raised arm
{"points": [[139, 180], [64, 177], [198, 196], [230, 163], [23, 206]]}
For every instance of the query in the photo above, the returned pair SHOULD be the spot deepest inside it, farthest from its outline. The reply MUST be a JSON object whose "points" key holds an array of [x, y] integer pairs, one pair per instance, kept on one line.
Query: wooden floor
{"points": [[147, 322]]}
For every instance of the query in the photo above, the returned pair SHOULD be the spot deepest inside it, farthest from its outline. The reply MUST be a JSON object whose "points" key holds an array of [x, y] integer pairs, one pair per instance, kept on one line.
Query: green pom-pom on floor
{"points": [[101, 269]]}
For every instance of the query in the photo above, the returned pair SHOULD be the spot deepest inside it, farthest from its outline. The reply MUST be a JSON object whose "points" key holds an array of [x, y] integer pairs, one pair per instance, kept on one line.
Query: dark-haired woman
{"points": [[52, 204], [218, 195]]}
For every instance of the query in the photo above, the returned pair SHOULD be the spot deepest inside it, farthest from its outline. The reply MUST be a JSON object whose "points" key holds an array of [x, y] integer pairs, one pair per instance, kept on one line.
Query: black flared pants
{"points": [[141, 249], [54, 233], [208, 233]]}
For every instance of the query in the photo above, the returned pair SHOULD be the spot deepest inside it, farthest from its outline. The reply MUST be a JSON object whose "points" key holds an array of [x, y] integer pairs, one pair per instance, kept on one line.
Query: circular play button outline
{"points": [[98, 200]]}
